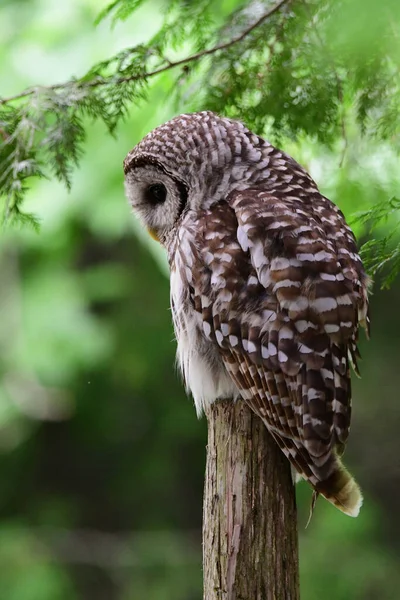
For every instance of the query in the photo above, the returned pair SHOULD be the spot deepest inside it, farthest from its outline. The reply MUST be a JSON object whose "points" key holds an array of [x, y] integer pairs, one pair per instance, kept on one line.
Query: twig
{"points": [[167, 67]]}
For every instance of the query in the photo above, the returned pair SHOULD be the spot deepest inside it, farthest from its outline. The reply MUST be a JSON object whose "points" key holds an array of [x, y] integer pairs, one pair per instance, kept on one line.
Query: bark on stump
{"points": [[250, 544]]}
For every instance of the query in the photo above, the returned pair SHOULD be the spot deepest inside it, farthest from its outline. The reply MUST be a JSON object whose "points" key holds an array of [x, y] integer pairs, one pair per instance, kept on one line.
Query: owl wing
{"points": [[287, 292]]}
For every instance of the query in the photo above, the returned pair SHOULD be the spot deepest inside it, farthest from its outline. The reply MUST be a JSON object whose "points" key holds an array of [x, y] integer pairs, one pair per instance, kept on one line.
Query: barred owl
{"points": [[267, 288]]}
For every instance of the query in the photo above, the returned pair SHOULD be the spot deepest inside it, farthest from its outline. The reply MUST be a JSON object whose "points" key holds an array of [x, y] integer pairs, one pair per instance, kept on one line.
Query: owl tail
{"points": [[341, 490]]}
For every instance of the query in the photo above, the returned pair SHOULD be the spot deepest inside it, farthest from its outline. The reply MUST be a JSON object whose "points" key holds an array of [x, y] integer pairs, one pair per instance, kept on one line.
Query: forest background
{"points": [[101, 455]]}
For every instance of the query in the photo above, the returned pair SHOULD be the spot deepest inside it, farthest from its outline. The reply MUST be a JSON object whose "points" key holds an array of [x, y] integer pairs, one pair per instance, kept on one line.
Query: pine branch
{"points": [[381, 256], [279, 70], [81, 84], [43, 127]]}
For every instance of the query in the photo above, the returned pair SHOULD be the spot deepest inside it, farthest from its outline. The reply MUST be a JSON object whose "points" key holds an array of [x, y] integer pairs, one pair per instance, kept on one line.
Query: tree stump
{"points": [[250, 543]]}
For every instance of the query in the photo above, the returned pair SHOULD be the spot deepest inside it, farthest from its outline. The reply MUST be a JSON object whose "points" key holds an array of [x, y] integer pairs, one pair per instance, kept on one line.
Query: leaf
{"points": [[122, 9]]}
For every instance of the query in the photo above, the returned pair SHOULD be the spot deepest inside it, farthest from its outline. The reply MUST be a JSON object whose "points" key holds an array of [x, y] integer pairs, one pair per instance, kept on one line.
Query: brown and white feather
{"points": [[267, 288]]}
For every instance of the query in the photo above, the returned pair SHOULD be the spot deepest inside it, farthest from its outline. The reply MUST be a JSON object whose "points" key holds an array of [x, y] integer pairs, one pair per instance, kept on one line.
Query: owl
{"points": [[267, 288]]}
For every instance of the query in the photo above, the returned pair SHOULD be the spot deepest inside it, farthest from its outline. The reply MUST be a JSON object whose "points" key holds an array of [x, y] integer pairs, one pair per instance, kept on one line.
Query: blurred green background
{"points": [[101, 455]]}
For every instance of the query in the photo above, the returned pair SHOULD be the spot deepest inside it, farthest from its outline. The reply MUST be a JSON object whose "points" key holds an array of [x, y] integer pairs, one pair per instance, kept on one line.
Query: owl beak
{"points": [[153, 234]]}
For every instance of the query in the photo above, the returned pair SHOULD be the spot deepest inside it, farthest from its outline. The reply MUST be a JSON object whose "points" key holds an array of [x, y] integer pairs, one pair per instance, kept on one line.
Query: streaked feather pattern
{"points": [[267, 290]]}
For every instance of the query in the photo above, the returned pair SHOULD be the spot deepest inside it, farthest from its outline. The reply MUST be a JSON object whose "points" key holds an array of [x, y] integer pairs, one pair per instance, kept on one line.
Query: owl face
{"points": [[157, 196], [190, 163]]}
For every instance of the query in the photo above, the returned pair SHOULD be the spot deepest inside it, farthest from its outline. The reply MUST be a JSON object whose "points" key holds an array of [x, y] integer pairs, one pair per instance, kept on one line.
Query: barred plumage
{"points": [[267, 288]]}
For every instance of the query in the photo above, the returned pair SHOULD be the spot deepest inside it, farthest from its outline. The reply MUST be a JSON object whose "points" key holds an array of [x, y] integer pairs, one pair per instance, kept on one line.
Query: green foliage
{"points": [[46, 132], [23, 580], [325, 573], [122, 9], [382, 256], [18, 163], [290, 69]]}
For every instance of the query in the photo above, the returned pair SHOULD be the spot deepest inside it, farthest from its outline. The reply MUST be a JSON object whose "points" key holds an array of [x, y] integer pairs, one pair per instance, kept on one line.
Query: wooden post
{"points": [[250, 546]]}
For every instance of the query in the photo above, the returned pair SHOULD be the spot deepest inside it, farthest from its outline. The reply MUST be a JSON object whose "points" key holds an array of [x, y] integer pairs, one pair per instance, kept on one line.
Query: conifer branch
{"points": [[280, 72], [146, 75]]}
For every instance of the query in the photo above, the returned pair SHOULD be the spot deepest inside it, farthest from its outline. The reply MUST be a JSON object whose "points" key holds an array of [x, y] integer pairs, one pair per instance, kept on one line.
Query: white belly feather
{"points": [[202, 368]]}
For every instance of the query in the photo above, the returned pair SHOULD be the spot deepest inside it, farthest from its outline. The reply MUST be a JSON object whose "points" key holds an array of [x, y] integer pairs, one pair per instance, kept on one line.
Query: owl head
{"points": [[188, 164]]}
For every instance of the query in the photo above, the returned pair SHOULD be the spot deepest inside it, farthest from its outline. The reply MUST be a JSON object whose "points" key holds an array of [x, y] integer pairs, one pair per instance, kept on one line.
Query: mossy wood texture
{"points": [[250, 545]]}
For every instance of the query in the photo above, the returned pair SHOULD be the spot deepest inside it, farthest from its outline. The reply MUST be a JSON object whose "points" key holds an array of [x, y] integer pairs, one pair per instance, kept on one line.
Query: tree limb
{"points": [[167, 67]]}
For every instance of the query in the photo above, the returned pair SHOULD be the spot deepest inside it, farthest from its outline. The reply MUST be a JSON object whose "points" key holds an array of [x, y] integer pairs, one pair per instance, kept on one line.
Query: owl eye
{"points": [[155, 193]]}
